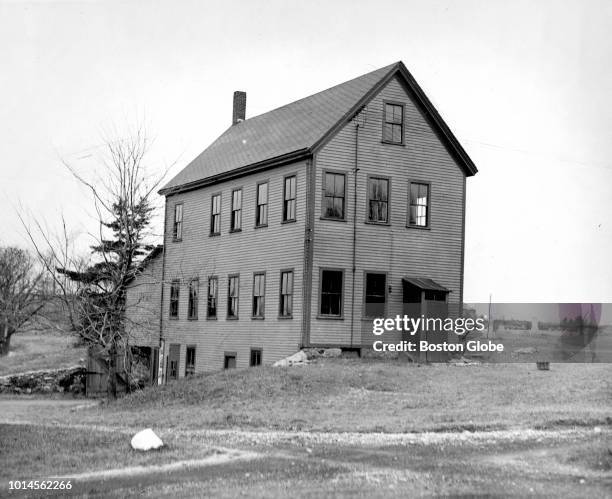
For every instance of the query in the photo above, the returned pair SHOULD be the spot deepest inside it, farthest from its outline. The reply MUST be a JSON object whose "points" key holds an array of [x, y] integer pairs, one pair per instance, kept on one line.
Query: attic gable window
{"points": [[177, 228], [393, 123], [418, 215], [236, 223], [333, 195]]}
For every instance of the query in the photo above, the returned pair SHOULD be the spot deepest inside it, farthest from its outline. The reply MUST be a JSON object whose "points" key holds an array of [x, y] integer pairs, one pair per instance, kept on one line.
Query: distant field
{"points": [[44, 350]]}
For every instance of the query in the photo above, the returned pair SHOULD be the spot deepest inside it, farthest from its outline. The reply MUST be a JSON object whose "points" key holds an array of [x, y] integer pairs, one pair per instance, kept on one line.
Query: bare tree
{"points": [[95, 294], [23, 293]]}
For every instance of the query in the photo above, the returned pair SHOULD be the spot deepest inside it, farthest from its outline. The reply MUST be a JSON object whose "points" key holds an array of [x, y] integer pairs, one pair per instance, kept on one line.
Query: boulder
{"points": [[146, 440], [298, 358]]}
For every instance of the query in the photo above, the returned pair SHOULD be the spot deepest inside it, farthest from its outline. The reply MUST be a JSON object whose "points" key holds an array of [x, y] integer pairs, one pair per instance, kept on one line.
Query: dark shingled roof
{"points": [[289, 130]]}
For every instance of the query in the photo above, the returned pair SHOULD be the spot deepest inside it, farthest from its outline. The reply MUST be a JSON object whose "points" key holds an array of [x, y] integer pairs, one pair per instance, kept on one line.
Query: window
{"points": [[255, 357], [236, 223], [375, 295], [174, 298], [232, 296], [261, 213], [378, 200], [213, 293], [177, 229], [215, 214], [418, 215], [286, 294], [190, 361], [192, 308], [333, 195], [331, 292], [172, 361], [289, 198], [259, 292], [393, 126], [229, 361]]}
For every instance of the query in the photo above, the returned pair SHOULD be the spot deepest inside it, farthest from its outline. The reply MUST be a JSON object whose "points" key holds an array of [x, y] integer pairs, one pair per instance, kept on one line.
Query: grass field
{"points": [[319, 429], [43, 350], [366, 395]]}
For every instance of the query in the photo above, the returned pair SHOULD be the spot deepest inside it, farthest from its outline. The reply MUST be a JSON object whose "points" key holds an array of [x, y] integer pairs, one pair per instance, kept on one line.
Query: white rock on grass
{"points": [[298, 358], [146, 440]]}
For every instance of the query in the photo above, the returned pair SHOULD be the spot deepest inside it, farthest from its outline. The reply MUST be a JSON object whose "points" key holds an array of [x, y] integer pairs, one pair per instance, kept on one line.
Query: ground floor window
{"points": [[190, 359], [286, 294], [331, 293], [229, 361], [375, 294], [255, 357]]}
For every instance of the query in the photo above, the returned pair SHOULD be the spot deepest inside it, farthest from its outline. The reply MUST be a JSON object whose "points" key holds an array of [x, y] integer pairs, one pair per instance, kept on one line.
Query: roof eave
{"points": [[284, 159]]}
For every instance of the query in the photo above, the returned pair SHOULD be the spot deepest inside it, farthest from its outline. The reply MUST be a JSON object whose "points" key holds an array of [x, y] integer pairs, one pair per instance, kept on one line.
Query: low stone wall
{"points": [[66, 380]]}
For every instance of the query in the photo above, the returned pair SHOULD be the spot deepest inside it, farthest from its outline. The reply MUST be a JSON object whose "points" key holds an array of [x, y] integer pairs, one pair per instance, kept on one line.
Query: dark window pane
{"points": [[331, 292]]}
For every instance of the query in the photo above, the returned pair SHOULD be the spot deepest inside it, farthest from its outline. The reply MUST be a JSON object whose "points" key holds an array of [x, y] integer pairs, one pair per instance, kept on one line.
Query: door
{"points": [[172, 363]]}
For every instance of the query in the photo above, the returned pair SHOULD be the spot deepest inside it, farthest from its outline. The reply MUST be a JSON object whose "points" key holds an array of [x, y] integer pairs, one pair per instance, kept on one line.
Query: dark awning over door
{"points": [[425, 284]]}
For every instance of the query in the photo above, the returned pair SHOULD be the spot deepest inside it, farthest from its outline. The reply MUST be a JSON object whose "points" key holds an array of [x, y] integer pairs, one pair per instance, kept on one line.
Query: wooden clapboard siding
{"points": [[198, 255], [395, 249], [143, 305]]}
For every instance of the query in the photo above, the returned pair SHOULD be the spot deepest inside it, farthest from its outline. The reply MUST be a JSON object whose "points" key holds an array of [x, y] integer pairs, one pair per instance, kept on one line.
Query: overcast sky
{"points": [[525, 85]]}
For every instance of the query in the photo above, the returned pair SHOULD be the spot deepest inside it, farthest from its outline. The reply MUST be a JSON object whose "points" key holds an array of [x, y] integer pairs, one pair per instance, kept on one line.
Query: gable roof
{"points": [[297, 130]]}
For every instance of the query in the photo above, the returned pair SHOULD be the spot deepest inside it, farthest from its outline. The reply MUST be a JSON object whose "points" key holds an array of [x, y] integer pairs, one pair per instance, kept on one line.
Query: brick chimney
{"points": [[239, 111]]}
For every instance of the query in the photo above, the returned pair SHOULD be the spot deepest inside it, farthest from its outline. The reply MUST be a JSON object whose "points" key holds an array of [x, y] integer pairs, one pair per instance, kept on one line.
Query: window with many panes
{"points": [[236, 223], [261, 213], [192, 307], [255, 357], [177, 228], [393, 126], [378, 200], [418, 215], [286, 294], [232, 296], [333, 195], [375, 294], [331, 293], [259, 295], [190, 360], [175, 287], [289, 198], [213, 294], [215, 214]]}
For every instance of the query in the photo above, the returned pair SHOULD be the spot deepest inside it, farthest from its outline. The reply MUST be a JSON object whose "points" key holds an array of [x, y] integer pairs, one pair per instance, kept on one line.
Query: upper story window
{"points": [[174, 298], [331, 293], [289, 198], [177, 227], [418, 215], [375, 295], [192, 308], [259, 295], [378, 200], [215, 214], [213, 295], [286, 294], [261, 213], [232, 296], [393, 124], [236, 223], [333, 195]]}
